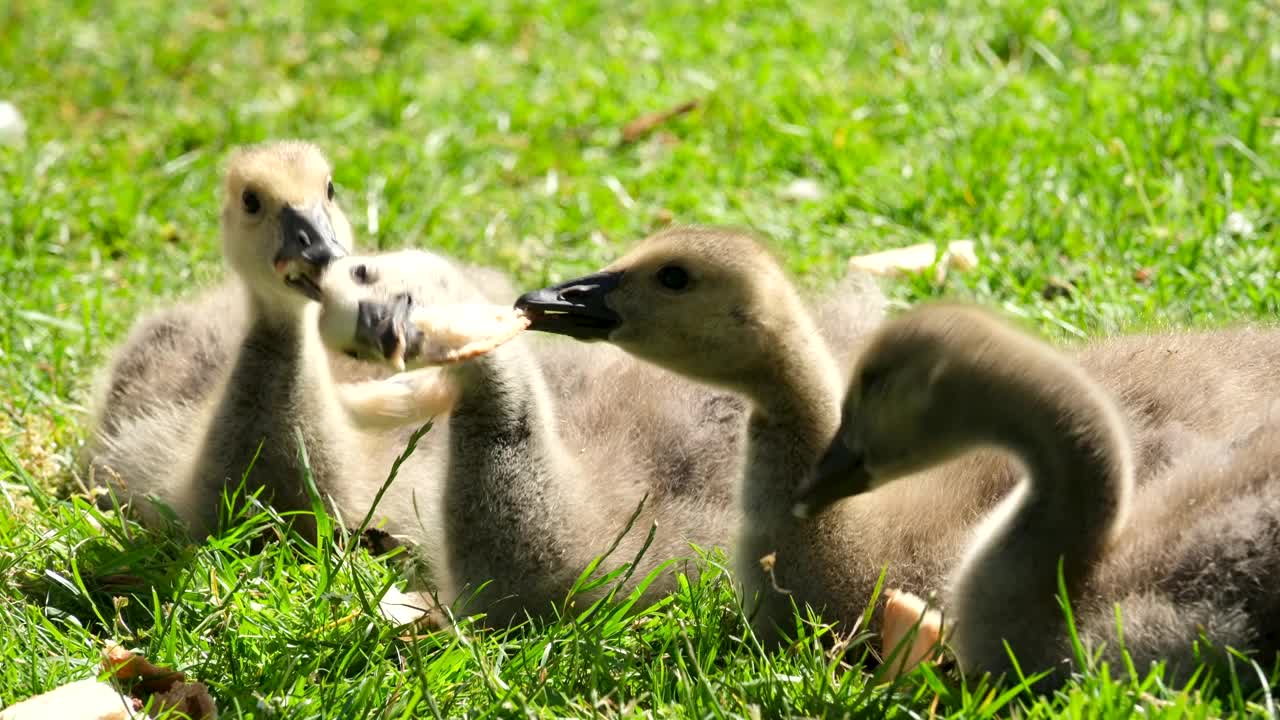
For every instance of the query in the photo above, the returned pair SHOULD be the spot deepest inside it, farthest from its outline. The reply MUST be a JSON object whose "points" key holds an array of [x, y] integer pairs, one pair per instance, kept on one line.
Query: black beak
{"points": [[384, 327], [576, 308], [307, 245], [840, 473]]}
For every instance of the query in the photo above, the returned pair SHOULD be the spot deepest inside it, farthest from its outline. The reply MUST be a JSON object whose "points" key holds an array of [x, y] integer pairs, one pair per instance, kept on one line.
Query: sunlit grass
{"points": [[1118, 165]]}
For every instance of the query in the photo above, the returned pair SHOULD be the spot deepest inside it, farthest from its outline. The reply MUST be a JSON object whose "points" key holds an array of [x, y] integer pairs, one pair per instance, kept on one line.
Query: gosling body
{"points": [[733, 320], [544, 476], [1190, 554]]}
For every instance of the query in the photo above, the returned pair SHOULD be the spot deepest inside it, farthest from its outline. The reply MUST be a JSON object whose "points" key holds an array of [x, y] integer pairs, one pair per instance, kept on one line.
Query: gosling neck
{"points": [[795, 413], [281, 311], [501, 394], [1080, 475], [503, 430], [512, 493], [277, 385], [1075, 447]]}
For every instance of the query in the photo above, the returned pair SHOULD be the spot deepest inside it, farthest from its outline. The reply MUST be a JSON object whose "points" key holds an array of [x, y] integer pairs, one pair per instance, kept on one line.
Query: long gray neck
{"points": [[1076, 451], [509, 498], [796, 411], [1080, 474], [271, 392]]}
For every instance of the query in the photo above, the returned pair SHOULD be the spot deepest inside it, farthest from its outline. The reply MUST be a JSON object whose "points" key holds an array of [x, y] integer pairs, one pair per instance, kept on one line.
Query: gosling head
{"points": [[280, 226], [909, 402], [366, 299], [702, 302]]}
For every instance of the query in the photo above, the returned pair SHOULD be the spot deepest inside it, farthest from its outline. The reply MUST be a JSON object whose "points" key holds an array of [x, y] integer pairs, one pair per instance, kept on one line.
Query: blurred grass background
{"points": [[1117, 163]]}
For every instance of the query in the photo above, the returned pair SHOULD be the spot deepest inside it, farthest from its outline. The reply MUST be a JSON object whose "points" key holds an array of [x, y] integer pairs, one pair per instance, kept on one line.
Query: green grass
{"points": [[1129, 152]]}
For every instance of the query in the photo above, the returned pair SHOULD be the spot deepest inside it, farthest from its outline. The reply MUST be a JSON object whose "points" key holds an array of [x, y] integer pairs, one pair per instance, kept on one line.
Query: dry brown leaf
{"points": [[1056, 287], [166, 689], [129, 667], [646, 124]]}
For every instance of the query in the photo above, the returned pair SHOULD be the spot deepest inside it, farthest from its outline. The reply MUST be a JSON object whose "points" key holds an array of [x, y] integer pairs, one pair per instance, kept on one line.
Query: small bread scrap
{"points": [[412, 611], [79, 700], [134, 682], [457, 332], [407, 398], [905, 613], [959, 254]]}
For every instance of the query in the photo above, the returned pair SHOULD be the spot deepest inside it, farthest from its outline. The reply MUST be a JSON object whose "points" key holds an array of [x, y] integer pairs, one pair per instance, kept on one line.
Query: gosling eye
{"points": [[329, 190], [251, 202], [362, 274], [873, 379], [673, 277]]}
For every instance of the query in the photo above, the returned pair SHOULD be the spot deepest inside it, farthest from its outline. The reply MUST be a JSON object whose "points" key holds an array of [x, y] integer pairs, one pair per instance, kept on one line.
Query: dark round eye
{"points": [[673, 277], [251, 202], [362, 274], [329, 189], [873, 378]]}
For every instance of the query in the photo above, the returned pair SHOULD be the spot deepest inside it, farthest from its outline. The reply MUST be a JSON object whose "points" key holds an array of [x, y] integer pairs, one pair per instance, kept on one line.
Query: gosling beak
{"points": [[307, 246], [383, 329], [576, 308], [840, 473]]}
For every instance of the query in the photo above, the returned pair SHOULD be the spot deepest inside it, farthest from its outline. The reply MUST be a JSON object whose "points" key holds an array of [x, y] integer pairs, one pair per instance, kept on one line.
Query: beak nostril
{"points": [[304, 239]]}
